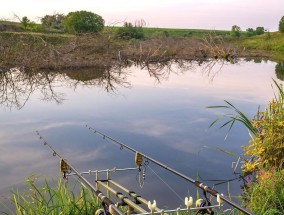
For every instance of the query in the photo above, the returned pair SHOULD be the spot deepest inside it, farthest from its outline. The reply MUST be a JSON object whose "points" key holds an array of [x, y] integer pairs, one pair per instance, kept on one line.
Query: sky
{"points": [[192, 14]]}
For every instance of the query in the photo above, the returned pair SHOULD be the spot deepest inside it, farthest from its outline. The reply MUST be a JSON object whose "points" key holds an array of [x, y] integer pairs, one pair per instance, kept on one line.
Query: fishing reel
{"points": [[102, 211], [200, 203]]}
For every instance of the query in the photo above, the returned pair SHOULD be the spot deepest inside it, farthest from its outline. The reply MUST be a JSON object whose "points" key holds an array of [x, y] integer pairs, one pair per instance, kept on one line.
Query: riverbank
{"points": [[268, 44], [58, 51]]}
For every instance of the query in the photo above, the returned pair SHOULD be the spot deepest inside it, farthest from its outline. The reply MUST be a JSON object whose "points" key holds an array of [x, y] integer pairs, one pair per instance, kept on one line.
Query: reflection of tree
{"points": [[161, 70], [105, 77], [17, 84], [279, 70], [212, 68]]}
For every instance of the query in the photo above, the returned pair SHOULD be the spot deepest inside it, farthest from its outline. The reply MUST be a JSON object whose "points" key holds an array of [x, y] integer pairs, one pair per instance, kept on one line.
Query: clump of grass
{"points": [[45, 199], [266, 194]]}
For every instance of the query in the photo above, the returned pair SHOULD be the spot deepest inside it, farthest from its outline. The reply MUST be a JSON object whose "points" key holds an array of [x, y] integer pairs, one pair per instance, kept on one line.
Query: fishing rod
{"points": [[195, 182], [66, 168]]}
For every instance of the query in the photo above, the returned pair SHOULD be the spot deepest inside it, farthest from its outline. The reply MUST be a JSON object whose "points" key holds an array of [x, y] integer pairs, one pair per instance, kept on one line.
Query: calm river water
{"points": [[161, 113]]}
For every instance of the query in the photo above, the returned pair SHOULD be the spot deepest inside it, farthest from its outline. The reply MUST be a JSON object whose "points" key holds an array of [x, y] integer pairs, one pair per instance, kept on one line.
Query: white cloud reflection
{"points": [[152, 127], [167, 119]]}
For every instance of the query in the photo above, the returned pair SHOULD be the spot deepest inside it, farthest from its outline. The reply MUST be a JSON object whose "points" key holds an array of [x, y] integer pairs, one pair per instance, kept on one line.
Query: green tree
{"points": [[130, 31], [29, 25], [281, 25], [83, 22], [25, 22], [250, 32], [235, 31], [259, 30], [52, 21]]}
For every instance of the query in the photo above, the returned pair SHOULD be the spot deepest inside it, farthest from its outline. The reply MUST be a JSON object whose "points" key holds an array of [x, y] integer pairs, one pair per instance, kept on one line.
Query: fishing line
{"points": [[159, 177], [141, 175], [99, 194], [195, 182], [221, 181]]}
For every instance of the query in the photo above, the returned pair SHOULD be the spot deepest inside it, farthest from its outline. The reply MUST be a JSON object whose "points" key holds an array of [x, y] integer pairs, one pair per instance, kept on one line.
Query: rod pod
{"points": [[195, 182]]}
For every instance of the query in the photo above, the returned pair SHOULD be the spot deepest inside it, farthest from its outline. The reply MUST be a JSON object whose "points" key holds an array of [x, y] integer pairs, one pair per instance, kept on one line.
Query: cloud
{"points": [[150, 127]]}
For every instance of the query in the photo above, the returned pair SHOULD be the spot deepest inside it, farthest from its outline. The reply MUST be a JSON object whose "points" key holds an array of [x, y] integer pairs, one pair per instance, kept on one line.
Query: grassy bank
{"points": [[57, 51], [271, 44], [160, 45]]}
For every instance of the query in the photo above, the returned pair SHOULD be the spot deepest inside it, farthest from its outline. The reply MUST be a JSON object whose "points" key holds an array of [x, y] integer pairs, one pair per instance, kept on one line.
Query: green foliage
{"points": [[250, 32], [50, 22], [272, 42], [25, 22], [130, 31], [281, 25], [259, 30], [236, 116], [266, 195], [161, 34], [267, 130], [28, 25], [48, 200], [267, 145], [83, 22], [174, 33], [235, 31]]}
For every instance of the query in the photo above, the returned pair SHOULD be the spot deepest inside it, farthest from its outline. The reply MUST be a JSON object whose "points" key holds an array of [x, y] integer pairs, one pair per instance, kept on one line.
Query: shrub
{"points": [[83, 22], [250, 32], [50, 22], [235, 31], [130, 31], [25, 22], [259, 30]]}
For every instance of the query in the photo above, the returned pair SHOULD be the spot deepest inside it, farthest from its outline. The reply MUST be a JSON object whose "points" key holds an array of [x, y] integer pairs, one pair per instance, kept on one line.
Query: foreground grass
{"points": [[56, 197], [53, 200]]}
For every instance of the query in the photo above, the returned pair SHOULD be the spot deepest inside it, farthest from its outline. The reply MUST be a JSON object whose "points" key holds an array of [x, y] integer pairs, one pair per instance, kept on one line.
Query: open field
{"points": [[152, 32], [175, 32]]}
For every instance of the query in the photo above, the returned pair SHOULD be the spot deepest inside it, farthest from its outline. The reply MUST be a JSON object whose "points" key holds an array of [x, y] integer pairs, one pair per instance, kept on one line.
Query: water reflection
{"points": [[168, 121], [18, 84], [279, 70]]}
